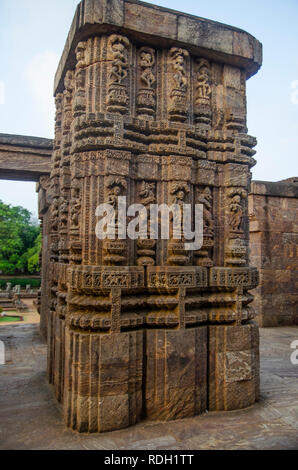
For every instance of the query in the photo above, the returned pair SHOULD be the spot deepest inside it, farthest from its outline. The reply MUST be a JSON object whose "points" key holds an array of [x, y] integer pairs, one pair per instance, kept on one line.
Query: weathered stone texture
{"points": [[147, 112], [233, 366], [273, 209], [24, 158], [176, 373]]}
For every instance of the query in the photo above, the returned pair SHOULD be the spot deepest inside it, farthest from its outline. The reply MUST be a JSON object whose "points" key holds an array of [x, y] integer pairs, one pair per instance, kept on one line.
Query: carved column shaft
{"points": [[150, 119]]}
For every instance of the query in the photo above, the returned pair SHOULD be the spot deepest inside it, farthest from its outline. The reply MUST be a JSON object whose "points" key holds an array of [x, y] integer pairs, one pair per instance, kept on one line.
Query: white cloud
{"points": [[40, 73]]}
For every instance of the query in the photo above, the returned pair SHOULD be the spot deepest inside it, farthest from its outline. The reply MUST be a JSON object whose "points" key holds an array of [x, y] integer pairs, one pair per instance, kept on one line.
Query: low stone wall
{"points": [[273, 209]]}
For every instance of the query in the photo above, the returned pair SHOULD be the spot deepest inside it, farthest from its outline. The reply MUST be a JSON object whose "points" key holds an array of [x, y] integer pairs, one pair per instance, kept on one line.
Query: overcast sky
{"points": [[32, 37]]}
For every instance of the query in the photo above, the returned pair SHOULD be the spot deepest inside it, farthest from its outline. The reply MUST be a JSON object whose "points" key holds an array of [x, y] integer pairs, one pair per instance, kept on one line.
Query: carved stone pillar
{"points": [[42, 188], [152, 115]]}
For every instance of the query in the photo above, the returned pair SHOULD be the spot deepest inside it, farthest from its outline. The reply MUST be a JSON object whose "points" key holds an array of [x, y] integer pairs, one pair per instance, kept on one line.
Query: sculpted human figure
{"points": [[80, 54], [180, 72], [55, 214], [119, 59], [205, 198], [147, 62], [147, 193], [203, 85], [236, 213]]}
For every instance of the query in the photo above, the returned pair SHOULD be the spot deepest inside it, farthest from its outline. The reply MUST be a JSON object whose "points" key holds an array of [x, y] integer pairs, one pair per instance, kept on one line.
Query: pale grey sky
{"points": [[32, 37]]}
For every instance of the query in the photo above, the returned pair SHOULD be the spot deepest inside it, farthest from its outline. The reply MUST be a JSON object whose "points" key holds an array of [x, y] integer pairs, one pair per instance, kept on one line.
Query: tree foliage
{"points": [[20, 240]]}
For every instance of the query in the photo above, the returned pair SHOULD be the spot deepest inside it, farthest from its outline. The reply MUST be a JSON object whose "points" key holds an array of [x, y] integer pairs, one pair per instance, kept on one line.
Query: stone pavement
{"points": [[30, 417]]}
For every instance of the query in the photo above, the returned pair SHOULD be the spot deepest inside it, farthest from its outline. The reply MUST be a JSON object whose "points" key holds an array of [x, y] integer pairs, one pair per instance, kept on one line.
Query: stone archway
{"points": [[24, 158]]}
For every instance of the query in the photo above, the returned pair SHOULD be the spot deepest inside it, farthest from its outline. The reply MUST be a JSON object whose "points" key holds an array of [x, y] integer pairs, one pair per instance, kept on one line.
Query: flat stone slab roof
{"points": [[31, 418], [160, 27]]}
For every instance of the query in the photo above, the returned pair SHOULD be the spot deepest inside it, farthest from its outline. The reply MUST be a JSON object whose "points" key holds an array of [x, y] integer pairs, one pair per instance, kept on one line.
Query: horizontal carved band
{"points": [[171, 277], [105, 278], [234, 277]]}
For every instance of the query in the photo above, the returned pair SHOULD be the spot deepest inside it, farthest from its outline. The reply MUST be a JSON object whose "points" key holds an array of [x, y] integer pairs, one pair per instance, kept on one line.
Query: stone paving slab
{"points": [[30, 417]]}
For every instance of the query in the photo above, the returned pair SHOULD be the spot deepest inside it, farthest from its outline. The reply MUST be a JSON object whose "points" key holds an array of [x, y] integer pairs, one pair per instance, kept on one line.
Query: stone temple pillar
{"points": [[151, 105]]}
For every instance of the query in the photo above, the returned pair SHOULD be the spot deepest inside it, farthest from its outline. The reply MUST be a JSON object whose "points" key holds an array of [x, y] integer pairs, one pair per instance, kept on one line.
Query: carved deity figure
{"points": [[55, 214], [116, 187], [147, 61], [203, 82], [179, 192], [236, 209], [118, 53], [63, 212], [80, 55], [80, 77], [147, 193], [75, 212], [236, 213], [179, 67], [205, 197]]}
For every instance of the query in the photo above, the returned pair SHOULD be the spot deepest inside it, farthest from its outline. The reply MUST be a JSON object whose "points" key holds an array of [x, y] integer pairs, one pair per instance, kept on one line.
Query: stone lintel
{"points": [[24, 158], [160, 27]]}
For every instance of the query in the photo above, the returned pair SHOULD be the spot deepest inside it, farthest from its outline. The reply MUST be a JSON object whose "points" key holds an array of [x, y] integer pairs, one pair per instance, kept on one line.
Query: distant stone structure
{"points": [[151, 105], [273, 209], [24, 158]]}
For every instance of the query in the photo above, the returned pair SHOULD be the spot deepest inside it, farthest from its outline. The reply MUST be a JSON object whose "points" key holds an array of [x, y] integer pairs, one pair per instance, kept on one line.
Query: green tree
{"points": [[19, 243]]}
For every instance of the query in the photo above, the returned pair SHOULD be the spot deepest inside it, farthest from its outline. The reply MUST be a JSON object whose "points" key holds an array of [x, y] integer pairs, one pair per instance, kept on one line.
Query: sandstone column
{"points": [[151, 106]]}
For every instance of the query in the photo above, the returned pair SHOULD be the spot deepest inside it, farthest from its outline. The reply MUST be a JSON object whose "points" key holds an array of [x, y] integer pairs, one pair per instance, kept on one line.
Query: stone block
{"points": [[103, 380], [176, 373], [233, 366]]}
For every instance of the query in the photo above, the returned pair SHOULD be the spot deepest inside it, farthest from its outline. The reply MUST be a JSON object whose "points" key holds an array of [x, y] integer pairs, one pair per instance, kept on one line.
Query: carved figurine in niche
{"points": [[55, 214], [179, 67], [118, 46], [176, 251], [116, 187], [147, 62], [203, 83], [146, 247], [146, 95], [179, 192], [147, 193], [80, 79], [58, 118], [178, 108], [236, 210], [203, 93], [81, 55], [68, 93], [75, 212], [118, 56], [205, 197], [63, 212]]}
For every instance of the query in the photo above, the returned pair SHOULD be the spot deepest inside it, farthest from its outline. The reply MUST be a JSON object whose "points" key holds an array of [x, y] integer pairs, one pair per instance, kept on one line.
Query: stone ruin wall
{"points": [[142, 328], [273, 210]]}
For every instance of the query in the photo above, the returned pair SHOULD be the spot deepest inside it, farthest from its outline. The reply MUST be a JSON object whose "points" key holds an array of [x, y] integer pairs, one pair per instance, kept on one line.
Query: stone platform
{"points": [[31, 418]]}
